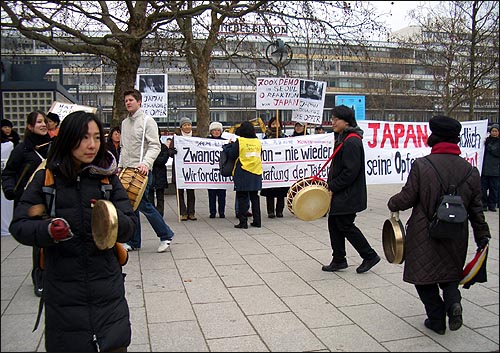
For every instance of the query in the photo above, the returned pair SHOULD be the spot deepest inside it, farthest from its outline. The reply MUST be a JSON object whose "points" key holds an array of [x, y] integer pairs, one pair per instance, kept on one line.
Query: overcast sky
{"points": [[399, 10]]}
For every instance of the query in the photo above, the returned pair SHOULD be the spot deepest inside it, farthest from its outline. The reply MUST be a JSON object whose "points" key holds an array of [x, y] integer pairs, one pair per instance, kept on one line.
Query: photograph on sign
{"points": [[154, 94]]}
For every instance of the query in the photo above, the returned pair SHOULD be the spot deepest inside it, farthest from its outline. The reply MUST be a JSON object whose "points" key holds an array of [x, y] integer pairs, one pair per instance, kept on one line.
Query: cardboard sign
{"points": [[64, 109]]}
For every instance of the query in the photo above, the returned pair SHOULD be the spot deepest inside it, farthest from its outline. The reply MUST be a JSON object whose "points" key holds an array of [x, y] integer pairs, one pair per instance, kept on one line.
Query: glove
{"points": [[59, 230], [482, 243]]}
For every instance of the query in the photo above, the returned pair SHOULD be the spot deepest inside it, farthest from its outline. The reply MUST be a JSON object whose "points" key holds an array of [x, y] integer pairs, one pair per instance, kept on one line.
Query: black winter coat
{"points": [[84, 290], [243, 180], [430, 261], [22, 162], [491, 165], [160, 169], [346, 177]]}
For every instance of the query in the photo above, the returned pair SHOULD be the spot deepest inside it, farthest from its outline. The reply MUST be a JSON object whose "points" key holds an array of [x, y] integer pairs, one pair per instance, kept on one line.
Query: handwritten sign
{"points": [[64, 109]]}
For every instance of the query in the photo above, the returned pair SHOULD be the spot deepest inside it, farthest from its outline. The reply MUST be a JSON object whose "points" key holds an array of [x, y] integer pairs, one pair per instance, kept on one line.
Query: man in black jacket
{"points": [[347, 183]]}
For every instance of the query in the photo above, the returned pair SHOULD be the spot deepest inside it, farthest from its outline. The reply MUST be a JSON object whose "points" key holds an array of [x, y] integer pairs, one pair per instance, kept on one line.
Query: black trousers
{"points": [[436, 307], [160, 199], [189, 210], [242, 197], [341, 227]]}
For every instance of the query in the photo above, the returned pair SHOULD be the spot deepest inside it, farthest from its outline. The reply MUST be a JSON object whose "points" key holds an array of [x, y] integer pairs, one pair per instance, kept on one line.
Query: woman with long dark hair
{"points": [[22, 162], [84, 292]]}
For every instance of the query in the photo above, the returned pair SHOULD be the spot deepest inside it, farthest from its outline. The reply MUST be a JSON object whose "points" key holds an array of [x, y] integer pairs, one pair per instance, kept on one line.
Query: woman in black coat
{"points": [[84, 291], [159, 175], [113, 142], [23, 161], [432, 264], [247, 175]]}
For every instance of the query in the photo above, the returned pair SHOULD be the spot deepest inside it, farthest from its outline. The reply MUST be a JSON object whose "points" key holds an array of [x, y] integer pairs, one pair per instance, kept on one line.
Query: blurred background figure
{"points": [[274, 194], [216, 196], [490, 176], [8, 133], [299, 129], [159, 175], [22, 162], [7, 205], [113, 142], [319, 130], [53, 124]]}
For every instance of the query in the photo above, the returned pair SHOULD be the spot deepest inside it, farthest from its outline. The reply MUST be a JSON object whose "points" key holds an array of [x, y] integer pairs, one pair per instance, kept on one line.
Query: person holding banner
{"points": [[140, 135], [247, 175], [186, 205], [490, 176], [22, 162], [347, 184], [272, 194], [216, 196], [299, 129], [434, 264]]}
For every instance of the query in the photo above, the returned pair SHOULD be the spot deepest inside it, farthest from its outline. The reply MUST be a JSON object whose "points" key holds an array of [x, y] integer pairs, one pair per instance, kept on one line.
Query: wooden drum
{"points": [[308, 198], [135, 183]]}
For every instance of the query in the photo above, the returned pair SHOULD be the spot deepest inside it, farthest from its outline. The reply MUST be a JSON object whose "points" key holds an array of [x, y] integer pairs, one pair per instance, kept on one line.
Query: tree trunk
{"points": [[202, 103], [126, 71]]}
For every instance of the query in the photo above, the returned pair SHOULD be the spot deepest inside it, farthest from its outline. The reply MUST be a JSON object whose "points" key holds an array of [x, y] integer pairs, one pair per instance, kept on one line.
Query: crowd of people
{"points": [[86, 164]]}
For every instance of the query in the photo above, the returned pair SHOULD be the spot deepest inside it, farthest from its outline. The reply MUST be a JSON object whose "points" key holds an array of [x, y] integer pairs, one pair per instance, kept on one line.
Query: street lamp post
{"points": [[279, 54]]}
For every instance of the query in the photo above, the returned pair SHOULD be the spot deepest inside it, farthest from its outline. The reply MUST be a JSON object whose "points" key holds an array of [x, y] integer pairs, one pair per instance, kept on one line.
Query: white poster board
{"points": [[306, 98], [154, 90], [64, 109]]}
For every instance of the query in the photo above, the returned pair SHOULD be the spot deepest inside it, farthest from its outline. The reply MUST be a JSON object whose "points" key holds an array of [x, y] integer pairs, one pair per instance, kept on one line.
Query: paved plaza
{"points": [[262, 289]]}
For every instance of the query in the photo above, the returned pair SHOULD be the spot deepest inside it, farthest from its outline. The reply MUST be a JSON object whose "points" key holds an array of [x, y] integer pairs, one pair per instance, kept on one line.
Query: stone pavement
{"points": [[224, 289]]}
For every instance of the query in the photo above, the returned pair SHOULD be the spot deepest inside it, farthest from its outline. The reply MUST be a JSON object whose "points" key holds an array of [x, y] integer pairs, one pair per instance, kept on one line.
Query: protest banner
{"points": [[390, 149], [306, 98]]}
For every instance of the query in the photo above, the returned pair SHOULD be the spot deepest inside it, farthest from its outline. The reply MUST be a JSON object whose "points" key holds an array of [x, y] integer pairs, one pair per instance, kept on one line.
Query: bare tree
{"points": [[120, 31], [458, 43]]}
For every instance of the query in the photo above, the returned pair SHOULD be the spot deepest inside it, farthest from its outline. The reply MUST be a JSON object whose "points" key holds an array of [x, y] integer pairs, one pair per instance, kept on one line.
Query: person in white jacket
{"points": [[140, 145]]}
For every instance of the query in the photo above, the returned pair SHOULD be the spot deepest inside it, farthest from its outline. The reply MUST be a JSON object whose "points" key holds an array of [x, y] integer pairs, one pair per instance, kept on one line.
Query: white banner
{"points": [[284, 161], [390, 149]]}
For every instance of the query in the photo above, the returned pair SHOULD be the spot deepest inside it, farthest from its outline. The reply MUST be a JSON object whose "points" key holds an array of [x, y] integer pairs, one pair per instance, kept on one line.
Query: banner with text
{"points": [[306, 98], [390, 149], [284, 161], [153, 88]]}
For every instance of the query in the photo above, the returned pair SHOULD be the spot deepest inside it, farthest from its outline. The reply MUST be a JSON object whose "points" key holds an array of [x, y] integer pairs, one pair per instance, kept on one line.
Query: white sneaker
{"points": [[163, 245], [127, 247]]}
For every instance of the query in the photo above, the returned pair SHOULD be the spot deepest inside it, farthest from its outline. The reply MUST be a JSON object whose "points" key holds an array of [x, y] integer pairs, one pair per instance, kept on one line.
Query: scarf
{"points": [[446, 148]]}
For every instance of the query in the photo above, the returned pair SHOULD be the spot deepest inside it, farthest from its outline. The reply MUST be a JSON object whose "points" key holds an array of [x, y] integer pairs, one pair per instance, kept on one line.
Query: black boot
{"points": [[270, 206], [241, 225]]}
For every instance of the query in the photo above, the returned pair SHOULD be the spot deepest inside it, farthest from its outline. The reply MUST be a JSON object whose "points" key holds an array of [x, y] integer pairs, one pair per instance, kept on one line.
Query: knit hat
{"points": [[184, 120], [215, 126], [54, 117], [494, 126], [445, 127], [299, 123], [7, 122], [345, 113]]}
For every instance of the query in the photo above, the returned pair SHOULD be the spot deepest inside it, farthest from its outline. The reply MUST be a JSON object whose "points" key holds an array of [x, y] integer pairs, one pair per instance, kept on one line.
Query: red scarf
{"points": [[446, 148]]}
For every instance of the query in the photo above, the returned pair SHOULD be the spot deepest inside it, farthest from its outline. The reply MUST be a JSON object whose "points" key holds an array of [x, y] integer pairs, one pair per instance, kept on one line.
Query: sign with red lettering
{"points": [[391, 147]]}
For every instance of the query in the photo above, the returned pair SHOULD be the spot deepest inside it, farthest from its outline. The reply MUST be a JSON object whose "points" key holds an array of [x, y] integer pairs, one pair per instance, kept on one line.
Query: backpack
{"points": [[450, 219], [226, 163]]}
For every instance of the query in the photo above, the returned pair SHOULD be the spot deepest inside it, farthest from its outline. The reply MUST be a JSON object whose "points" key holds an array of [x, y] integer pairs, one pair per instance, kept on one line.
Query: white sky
{"points": [[399, 10]]}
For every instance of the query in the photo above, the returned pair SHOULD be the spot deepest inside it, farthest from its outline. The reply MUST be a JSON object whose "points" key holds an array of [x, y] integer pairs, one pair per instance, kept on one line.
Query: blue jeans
{"points": [[159, 225]]}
